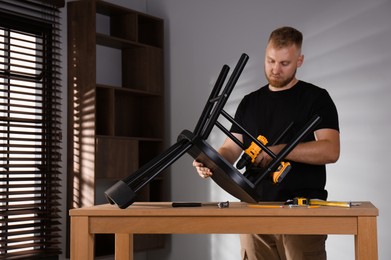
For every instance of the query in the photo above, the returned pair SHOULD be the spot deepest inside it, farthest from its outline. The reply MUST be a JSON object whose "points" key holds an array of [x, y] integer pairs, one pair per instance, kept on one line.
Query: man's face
{"points": [[281, 65]]}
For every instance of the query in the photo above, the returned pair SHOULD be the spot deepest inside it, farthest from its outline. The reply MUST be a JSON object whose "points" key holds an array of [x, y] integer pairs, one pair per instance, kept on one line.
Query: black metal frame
{"points": [[124, 192]]}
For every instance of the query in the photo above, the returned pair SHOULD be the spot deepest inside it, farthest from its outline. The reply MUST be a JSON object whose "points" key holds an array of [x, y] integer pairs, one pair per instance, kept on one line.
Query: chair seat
{"points": [[224, 174]]}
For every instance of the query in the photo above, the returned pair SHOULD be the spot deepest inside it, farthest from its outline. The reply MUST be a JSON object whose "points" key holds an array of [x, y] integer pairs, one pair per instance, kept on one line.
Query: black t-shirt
{"points": [[268, 113]]}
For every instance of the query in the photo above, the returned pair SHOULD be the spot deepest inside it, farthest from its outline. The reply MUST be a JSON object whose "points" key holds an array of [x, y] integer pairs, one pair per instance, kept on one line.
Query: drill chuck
{"points": [[243, 161]]}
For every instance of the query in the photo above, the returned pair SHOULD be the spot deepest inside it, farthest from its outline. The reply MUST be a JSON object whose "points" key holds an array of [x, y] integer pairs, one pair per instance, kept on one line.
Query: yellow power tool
{"points": [[251, 153]]}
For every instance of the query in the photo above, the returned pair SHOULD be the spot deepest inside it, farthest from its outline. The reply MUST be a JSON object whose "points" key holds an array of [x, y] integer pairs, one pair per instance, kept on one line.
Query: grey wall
{"points": [[346, 48]]}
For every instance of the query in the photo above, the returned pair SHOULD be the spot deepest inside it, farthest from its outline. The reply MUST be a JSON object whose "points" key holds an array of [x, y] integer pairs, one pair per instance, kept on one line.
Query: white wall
{"points": [[346, 49]]}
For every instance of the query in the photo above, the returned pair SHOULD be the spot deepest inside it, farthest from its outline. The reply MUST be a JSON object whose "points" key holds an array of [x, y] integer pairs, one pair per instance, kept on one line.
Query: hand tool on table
{"points": [[345, 204], [300, 201], [264, 206], [224, 204]]}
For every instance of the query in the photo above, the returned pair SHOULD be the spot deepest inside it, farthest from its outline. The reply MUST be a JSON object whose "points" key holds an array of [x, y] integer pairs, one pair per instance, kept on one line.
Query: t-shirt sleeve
{"points": [[327, 110]]}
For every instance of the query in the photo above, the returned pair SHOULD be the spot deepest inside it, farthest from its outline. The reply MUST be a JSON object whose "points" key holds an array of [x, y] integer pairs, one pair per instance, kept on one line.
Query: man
{"points": [[268, 111]]}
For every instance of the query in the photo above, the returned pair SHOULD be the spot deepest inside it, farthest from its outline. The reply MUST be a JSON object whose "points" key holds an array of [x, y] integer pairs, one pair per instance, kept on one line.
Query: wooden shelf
{"points": [[132, 26], [128, 113], [113, 129]]}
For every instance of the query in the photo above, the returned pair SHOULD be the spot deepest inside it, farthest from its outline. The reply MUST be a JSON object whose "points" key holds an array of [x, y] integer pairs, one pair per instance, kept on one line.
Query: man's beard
{"points": [[280, 83]]}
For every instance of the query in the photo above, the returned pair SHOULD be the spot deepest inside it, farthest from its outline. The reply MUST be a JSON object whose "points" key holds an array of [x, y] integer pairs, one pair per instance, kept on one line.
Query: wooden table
{"points": [[161, 218]]}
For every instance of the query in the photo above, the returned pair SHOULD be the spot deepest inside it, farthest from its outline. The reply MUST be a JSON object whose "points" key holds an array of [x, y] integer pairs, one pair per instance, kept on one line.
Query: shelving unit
{"points": [[113, 129]]}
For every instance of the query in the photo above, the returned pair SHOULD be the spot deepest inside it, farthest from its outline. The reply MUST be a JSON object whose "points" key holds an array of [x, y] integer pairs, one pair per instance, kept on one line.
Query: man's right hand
{"points": [[203, 172]]}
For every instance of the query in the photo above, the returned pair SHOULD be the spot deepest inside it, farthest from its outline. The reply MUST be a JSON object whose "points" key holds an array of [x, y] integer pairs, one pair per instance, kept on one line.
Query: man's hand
{"points": [[263, 159], [203, 172], [229, 150]]}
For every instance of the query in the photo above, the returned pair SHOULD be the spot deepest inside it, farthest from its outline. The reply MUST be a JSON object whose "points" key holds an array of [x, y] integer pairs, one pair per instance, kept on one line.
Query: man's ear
{"points": [[300, 60]]}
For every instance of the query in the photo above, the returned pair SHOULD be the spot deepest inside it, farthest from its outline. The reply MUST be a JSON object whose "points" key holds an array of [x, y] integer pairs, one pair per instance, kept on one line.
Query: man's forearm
{"points": [[228, 155], [315, 152]]}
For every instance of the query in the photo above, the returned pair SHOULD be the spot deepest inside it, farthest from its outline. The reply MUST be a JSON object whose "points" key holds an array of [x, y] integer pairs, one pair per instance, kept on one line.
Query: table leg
{"points": [[82, 242], [366, 239], [123, 246]]}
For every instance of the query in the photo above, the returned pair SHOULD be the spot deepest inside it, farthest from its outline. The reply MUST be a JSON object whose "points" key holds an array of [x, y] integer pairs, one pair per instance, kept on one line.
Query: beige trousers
{"points": [[283, 247]]}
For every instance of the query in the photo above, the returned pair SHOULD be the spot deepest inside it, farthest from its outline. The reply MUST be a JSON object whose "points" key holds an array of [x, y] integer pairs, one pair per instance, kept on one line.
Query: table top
{"points": [[165, 209]]}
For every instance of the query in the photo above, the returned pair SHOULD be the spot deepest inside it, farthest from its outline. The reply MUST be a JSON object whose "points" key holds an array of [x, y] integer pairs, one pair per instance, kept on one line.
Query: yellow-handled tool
{"points": [[345, 204], [300, 201]]}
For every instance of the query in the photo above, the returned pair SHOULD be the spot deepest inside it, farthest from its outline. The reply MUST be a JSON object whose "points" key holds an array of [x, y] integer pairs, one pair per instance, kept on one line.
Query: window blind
{"points": [[30, 129]]}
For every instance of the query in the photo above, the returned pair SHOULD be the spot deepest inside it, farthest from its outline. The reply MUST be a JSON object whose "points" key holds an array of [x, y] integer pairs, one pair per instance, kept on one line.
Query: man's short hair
{"points": [[285, 37]]}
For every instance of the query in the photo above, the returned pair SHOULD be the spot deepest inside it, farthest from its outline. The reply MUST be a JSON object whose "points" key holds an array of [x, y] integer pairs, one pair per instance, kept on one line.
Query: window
{"points": [[30, 130]]}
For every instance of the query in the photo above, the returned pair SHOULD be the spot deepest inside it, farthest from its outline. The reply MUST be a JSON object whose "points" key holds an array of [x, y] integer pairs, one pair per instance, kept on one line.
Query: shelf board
{"points": [[129, 90], [136, 138], [106, 8], [116, 42], [119, 43]]}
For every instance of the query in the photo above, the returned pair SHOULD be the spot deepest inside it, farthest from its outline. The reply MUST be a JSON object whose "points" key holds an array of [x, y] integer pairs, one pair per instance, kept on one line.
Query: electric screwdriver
{"points": [[251, 153]]}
